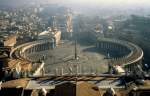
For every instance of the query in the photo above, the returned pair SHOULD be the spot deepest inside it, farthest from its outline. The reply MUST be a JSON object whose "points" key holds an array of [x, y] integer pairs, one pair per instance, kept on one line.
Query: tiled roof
{"points": [[15, 83], [25, 66]]}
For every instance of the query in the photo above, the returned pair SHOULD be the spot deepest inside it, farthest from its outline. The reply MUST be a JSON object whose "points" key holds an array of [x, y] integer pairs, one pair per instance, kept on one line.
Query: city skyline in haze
{"points": [[129, 6]]}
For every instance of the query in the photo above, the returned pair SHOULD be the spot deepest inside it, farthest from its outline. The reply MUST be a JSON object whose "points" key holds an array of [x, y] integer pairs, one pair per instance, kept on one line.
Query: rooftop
{"points": [[25, 65], [15, 83]]}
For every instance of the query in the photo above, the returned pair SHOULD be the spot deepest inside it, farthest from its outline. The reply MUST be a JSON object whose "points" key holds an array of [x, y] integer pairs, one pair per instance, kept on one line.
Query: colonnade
{"points": [[22, 51], [112, 46], [37, 48], [131, 54]]}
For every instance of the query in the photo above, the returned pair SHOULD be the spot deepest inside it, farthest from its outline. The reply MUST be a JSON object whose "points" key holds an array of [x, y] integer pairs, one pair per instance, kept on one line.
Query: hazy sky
{"points": [[90, 1], [106, 1]]}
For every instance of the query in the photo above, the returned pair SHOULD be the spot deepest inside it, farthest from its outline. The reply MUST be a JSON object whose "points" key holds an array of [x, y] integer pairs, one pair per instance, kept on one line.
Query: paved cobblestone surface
{"points": [[62, 59]]}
